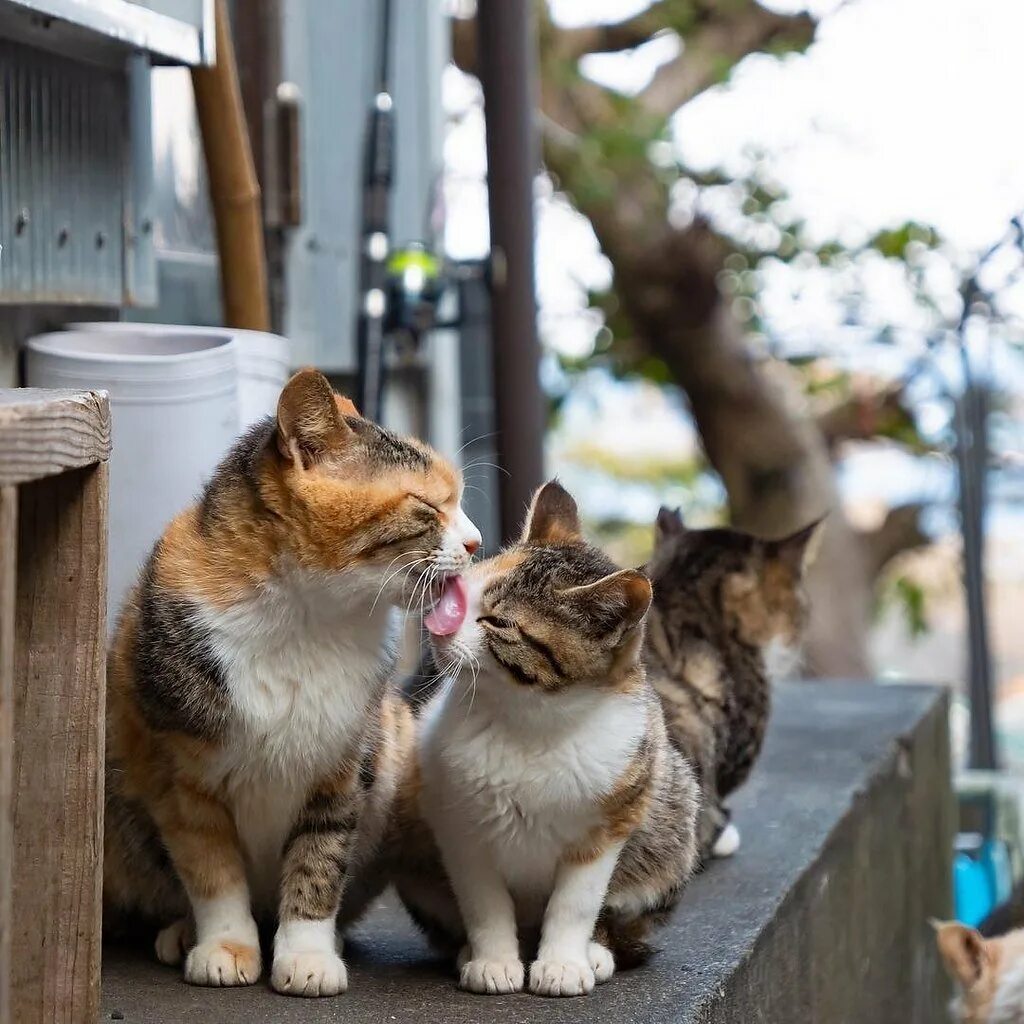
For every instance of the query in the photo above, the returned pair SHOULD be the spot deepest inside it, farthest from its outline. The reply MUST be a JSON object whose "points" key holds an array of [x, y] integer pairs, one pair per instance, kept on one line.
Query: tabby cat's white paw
{"points": [[602, 963], [727, 843], [492, 977], [173, 942], [309, 974], [222, 963], [561, 978]]}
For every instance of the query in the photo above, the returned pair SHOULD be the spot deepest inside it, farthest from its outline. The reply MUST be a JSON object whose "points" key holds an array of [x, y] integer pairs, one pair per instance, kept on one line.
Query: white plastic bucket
{"points": [[174, 412], [263, 361]]}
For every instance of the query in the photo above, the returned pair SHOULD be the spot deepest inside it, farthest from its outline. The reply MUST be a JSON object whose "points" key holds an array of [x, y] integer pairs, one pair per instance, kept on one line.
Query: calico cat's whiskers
{"points": [[407, 568]]}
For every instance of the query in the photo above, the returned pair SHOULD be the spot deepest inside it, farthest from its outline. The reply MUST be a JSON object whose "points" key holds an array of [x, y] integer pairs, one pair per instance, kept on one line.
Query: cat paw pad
{"points": [[561, 978], [309, 974], [492, 977], [222, 963]]}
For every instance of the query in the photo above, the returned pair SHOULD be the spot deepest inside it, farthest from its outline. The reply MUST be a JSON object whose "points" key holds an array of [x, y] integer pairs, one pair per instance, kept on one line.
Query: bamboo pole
{"points": [[234, 187]]}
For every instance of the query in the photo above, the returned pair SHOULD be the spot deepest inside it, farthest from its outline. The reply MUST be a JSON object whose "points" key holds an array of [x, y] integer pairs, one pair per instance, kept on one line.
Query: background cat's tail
{"points": [[627, 941]]}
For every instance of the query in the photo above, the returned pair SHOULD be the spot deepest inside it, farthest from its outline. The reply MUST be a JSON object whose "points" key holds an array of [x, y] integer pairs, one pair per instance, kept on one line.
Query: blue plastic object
{"points": [[982, 880]]}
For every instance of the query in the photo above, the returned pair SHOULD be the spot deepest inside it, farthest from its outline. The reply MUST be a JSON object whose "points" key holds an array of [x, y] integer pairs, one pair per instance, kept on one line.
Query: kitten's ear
{"points": [[799, 549], [618, 600], [309, 421], [668, 524], [964, 952], [345, 405], [553, 517]]}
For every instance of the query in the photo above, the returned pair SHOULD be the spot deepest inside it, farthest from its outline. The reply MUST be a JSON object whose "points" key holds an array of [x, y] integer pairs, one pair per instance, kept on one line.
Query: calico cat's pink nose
{"points": [[472, 546]]}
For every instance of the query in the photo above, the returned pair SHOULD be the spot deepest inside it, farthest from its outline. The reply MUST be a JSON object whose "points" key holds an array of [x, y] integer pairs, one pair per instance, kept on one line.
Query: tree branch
{"points": [[662, 15], [862, 417], [900, 531], [710, 51]]}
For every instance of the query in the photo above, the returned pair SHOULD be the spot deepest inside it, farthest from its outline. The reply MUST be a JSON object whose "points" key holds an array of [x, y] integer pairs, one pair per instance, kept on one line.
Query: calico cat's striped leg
{"points": [[200, 836], [317, 858]]}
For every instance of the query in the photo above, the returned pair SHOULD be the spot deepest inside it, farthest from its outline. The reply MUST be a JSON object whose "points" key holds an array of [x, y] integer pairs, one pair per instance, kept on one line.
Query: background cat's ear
{"points": [[309, 422], [553, 517], [799, 549], [620, 599], [668, 524], [963, 951]]}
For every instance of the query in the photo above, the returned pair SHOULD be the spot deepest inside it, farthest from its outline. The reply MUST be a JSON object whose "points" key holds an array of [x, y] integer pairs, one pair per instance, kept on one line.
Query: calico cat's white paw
{"points": [[561, 978], [727, 843], [602, 963], [492, 977], [223, 963], [173, 942], [309, 974]]}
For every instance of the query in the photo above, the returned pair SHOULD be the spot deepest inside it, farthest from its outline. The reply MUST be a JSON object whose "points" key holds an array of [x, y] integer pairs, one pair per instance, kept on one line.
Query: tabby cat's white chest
{"points": [[526, 792]]}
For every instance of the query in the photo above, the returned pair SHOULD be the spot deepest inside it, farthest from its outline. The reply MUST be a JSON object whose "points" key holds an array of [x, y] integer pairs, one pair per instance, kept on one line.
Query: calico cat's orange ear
{"points": [[309, 422], [799, 549], [622, 597], [963, 951], [553, 517]]}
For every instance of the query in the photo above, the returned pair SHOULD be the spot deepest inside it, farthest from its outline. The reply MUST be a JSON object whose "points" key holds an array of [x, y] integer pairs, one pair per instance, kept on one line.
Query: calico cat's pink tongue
{"points": [[446, 616]]}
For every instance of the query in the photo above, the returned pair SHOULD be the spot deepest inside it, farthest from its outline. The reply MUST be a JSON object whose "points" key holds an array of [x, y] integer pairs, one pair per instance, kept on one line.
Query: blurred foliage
{"points": [[908, 596], [659, 470]]}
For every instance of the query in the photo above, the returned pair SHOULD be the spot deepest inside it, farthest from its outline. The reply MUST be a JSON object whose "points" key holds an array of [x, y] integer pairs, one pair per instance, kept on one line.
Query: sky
{"points": [[900, 110]]}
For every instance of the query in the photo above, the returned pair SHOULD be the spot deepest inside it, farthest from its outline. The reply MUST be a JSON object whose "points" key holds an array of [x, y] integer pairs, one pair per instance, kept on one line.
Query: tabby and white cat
{"points": [[988, 972], [728, 615], [563, 817], [251, 754]]}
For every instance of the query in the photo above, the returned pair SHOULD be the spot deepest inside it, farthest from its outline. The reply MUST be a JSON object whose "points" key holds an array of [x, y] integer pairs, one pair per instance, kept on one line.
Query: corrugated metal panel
{"points": [[63, 160]]}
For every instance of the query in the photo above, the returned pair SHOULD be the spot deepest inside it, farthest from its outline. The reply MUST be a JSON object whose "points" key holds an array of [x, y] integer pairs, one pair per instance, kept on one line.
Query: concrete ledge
{"points": [[820, 919]]}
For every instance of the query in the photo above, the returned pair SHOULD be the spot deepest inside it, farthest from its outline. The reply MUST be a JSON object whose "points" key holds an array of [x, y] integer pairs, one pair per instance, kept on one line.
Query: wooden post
{"points": [[234, 187], [8, 554], [53, 451]]}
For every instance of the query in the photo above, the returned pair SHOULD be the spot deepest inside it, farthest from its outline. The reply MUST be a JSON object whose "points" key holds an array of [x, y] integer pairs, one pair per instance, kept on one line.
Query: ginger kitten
{"points": [[563, 817], [989, 974], [728, 615], [251, 754]]}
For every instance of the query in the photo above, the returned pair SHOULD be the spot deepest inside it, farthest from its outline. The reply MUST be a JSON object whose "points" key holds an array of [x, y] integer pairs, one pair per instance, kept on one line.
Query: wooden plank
{"points": [[8, 558], [43, 432], [59, 680]]}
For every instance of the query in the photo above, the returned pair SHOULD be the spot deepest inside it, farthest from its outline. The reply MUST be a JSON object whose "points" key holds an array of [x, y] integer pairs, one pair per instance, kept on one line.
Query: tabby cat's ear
{"points": [[309, 421], [553, 517], [619, 600], [963, 951], [799, 549], [669, 523]]}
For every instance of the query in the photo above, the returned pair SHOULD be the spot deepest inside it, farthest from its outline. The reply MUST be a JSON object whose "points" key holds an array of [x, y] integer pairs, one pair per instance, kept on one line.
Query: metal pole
{"points": [[378, 173], [972, 458], [506, 63]]}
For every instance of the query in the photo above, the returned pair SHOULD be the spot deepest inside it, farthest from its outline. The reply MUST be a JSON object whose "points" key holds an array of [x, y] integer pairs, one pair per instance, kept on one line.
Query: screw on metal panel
{"points": [[21, 222], [62, 237], [146, 226], [101, 239]]}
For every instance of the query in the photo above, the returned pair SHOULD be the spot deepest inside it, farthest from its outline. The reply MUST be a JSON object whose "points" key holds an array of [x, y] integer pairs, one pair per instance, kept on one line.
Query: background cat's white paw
{"points": [[222, 963], [602, 963], [561, 978], [172, 943], [492, 977], [309, 974], [727, 843]]}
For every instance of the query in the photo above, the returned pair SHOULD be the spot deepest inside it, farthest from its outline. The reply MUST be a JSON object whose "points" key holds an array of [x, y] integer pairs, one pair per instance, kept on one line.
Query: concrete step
{"points": [[820, 918]]}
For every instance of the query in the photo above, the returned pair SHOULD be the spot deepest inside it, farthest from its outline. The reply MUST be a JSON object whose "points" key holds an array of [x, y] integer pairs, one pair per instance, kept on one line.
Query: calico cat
{"points": [[988, 972], [563, 817], [728, 614], [251, 754]]}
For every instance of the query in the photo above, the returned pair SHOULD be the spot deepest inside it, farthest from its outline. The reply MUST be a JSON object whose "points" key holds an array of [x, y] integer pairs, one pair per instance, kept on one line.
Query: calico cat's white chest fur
{"points": [[527, 786], [302, 664]]}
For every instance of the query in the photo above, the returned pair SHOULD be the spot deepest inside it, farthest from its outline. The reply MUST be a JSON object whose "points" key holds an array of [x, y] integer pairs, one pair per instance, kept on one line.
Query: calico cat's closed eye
{"points": [[423, 501]]}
